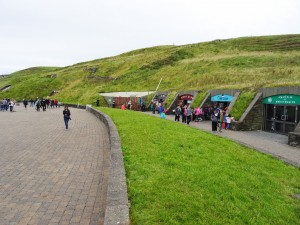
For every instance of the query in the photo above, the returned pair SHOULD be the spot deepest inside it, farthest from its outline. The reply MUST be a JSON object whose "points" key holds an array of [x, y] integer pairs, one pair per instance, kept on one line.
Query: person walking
{"points": [[67, 116], [129, 105], [4, 104], [214, 121], [162, 112], [25, 103], [38, 104], [197, 114], [31, 103], [189, 113], [11, 105], [229, 120], [43, 104], [177, 113]]}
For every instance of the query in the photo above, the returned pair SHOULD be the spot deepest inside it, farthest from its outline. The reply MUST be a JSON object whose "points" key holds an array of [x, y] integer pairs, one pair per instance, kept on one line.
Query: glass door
{"points": [[281, 118]]}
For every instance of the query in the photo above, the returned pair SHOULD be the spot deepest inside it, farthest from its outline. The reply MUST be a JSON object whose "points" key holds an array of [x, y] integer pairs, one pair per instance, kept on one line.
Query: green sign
{"points": [[282, 100]]}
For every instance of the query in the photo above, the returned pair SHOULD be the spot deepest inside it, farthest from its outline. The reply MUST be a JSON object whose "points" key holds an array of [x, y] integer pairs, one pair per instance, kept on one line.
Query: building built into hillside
{"points": [[117, 99], [183, 98], [272, 109]]}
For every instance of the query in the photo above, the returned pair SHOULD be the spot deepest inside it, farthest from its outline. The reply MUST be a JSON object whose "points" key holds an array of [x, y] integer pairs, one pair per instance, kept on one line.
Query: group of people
{"points": [[129, 106], [188, 114], [159, 107], [6, 104], [220, 119], [38, 103], [42, 103]]}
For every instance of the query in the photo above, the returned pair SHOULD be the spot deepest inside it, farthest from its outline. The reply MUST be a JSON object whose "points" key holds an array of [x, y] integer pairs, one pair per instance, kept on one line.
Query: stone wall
{"points": [[281, 90], [294, 137], [117, 205]]}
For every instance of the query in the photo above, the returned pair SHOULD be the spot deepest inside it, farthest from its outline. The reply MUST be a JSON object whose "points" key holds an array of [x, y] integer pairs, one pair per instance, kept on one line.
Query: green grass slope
{"points": [[247, 63], [180, 175]]}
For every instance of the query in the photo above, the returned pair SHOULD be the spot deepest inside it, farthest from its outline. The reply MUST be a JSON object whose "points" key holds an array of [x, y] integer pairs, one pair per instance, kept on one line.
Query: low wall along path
{"points": [[50, 175]]}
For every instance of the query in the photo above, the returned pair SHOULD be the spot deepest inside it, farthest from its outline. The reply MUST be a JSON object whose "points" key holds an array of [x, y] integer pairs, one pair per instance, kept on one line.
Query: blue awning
{"points": [[221, 98]]}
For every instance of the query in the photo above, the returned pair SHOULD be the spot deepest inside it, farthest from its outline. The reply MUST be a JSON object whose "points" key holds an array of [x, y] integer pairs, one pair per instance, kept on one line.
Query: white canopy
{"points": [[127, 94]]}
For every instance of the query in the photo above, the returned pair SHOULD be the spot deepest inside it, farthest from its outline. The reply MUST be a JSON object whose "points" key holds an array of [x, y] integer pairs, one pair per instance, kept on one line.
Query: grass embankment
{"points": [[242, 103], [199, 99], [180, 175], [246, 63]]}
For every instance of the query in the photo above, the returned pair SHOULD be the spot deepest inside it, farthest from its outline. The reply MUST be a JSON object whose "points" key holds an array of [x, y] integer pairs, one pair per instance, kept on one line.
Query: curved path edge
{"points": [[117, 206]]}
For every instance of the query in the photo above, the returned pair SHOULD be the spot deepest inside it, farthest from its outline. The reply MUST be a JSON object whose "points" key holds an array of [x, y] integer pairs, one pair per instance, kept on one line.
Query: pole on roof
{"points": [[158, 85]]}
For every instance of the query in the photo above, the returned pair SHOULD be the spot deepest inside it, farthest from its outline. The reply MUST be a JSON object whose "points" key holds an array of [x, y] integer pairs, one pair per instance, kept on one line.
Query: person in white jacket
{"points": [[11, 105]]}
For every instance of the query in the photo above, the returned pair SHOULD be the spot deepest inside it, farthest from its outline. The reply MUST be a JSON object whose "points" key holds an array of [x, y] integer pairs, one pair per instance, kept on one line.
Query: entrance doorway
{"points": [[221, 101], [185, 99], [281, 118]]}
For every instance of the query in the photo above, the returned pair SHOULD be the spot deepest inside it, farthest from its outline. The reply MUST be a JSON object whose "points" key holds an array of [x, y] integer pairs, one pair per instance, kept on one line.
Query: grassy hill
{"points": [[247, 63]]}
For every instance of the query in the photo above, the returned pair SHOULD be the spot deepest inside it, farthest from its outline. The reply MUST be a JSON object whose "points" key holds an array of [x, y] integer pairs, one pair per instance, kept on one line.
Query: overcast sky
{"points": [[65, 32]]}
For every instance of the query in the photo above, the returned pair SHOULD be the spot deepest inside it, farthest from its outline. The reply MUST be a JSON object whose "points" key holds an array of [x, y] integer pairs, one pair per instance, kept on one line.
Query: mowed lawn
{"points": [[180, 175]]}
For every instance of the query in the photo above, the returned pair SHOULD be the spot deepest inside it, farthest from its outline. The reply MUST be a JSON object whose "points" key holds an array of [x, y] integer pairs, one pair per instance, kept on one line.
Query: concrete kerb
{"points": [[117, 206]]}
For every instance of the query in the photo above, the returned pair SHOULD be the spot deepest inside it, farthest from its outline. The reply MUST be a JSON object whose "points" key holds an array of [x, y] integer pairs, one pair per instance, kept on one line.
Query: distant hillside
{"points": [[247, 63]]}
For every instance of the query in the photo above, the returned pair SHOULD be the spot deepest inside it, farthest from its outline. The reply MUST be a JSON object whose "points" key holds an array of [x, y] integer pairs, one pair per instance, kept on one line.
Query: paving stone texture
{"points": [[50, 175], [269, 143]]}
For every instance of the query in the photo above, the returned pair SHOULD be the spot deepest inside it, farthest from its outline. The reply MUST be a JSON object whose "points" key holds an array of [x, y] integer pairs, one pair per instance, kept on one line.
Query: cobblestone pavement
{"points": [[269, 143], [50, 175]]}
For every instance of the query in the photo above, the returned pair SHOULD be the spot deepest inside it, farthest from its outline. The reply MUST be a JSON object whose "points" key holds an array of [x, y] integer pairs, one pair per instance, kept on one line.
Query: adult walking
{"points": [[67, 116], [189, 113], [214, 121], [4, 105], [25, 103], [38, 104], [177, 113], [11, 105], [129, 105], [43, 104]]}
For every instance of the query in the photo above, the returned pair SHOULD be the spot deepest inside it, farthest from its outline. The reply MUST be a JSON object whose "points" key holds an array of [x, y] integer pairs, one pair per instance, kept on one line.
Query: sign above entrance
{"points": [[222, 98], [186, 97], [282, 100]]}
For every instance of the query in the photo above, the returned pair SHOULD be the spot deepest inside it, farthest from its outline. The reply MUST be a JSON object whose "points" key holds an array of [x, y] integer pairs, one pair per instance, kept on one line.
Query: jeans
{"points": [[66, 119], [189, 119]]}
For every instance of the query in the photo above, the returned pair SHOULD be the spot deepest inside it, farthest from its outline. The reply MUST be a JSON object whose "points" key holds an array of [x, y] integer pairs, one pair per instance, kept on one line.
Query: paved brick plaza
{"points": [[50, 175]]}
